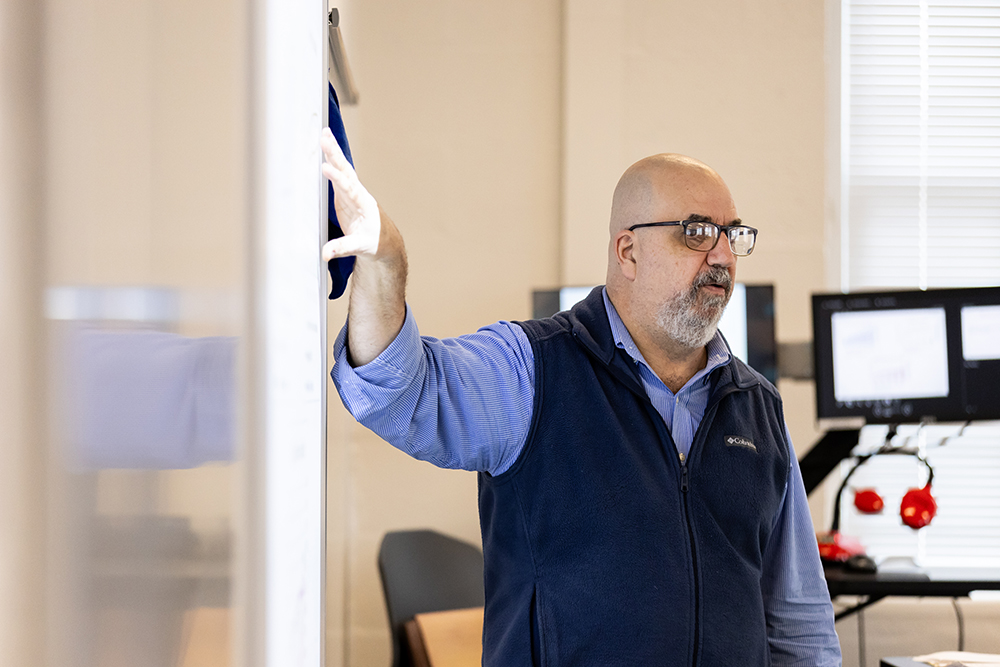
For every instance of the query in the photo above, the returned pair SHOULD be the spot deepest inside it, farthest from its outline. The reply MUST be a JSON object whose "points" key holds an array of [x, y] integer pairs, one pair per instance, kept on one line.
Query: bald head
{"points": [[644, 186]]}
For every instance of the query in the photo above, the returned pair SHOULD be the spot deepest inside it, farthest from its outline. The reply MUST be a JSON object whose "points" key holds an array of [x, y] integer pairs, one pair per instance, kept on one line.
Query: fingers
{"points": [[336, 166], [332, 151], [357, 211], [330, 250], [352, 244], [340, 172], [343, 181], [352, 201]]}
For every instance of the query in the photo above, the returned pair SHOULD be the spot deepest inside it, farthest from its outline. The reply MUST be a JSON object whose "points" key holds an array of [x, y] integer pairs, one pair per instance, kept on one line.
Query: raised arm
{"points": [[378, 292], [458, 403]]}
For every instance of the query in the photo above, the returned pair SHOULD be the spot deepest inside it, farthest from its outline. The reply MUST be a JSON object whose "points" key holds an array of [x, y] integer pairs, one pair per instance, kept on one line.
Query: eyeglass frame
{"points": [[720, 228]]}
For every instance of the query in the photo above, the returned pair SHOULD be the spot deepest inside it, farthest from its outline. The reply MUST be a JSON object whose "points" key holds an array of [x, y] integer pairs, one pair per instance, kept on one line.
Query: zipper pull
{"points": [[684, 473]]}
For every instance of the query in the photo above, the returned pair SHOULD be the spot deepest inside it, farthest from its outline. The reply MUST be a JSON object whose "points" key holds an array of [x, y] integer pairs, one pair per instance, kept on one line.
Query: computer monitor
{"points": [[908, 356], [747, 323]]}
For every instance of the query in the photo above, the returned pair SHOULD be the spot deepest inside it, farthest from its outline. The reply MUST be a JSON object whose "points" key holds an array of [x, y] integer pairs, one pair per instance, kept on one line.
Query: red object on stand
{"points": [[918, 507], [868, 501]]}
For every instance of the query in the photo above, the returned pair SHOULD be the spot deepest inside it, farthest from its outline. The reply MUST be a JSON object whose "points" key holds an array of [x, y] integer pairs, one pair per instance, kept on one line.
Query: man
{"points": [[639, 497]]}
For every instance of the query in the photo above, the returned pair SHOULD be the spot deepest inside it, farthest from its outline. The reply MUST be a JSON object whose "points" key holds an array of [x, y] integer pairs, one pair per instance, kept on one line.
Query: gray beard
{"points": [[689, 325]]}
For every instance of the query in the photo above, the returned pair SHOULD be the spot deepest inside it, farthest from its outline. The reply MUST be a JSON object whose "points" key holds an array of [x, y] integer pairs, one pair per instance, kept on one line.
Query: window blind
{"points": [[920, 183], [921, 144]]}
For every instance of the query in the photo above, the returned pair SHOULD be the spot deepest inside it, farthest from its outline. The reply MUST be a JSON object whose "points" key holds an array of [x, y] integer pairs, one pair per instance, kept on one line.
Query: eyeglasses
{"points": [[703, 236]]}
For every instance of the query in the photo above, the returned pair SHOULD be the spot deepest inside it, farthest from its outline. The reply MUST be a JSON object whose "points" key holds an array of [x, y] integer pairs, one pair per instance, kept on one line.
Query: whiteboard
{"points": [[288, 281]]}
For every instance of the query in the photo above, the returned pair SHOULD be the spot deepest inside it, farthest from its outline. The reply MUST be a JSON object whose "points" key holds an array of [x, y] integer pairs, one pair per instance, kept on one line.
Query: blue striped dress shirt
{"points": [[466, 403]]}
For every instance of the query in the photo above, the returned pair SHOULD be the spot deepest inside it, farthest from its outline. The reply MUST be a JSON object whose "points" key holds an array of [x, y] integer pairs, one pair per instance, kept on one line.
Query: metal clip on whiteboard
{"points": [[340, 72]]}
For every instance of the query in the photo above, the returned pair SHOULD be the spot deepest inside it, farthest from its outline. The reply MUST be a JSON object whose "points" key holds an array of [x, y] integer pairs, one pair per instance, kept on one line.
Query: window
{"points": [[920, 116], [920, 208]]}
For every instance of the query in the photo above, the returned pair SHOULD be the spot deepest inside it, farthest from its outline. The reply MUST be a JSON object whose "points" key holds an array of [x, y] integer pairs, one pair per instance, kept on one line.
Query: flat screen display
{"points": [[908, 356], [874, 352]]}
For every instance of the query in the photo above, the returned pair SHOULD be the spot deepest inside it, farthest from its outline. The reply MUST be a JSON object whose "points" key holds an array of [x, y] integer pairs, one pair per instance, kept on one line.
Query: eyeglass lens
{"points": [[703, 236]]}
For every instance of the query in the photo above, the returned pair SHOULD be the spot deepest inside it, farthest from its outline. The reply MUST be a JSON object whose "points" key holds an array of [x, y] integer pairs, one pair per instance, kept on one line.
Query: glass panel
{"points": [[145, 309]]}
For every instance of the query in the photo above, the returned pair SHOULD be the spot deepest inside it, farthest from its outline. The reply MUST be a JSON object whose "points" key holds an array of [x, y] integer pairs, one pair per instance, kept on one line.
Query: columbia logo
{"points": [[740, 441]]}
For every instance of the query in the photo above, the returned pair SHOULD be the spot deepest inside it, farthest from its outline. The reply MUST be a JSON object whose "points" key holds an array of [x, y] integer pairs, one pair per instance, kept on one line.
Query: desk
{"points": [[451, 638], [949, 582]]}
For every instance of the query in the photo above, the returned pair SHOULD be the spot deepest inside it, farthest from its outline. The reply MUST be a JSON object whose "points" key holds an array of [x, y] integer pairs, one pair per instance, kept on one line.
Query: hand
{"points": [[357, 210]]}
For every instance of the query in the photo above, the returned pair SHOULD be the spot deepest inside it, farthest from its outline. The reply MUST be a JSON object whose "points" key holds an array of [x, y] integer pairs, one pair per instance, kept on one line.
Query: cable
{"points": [[886, 448], [906, 441], [835, 525], [940, 443], [961, 624], [944, 441]]}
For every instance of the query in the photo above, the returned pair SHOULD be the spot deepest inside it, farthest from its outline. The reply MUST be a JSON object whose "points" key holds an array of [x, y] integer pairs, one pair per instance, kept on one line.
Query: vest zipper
{"points": [[684, 473], [694, 556]]}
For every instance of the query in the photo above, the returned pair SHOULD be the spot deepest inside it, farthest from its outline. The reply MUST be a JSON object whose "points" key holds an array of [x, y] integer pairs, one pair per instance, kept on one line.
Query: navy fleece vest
{"points": [[601, 546]]}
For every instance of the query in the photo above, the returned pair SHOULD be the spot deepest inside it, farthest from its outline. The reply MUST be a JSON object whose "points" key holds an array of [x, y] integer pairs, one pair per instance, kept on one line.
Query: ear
{"points": [[625, 253]]}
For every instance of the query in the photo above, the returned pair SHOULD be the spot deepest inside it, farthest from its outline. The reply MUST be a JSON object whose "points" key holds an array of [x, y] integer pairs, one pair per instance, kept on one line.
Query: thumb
{"points": [[352, 244]]}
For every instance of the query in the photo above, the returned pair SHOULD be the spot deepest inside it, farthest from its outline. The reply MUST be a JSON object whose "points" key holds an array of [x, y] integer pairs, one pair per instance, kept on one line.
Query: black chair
{"points": [[424, 571]]}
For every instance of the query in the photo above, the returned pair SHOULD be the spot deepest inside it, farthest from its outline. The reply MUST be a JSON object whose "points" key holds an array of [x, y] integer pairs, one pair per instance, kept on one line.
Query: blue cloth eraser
{"points": [[340, 267]]}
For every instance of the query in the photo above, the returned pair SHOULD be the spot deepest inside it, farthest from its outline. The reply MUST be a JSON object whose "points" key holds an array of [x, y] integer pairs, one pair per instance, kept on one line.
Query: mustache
{"points": [[715, 275]]}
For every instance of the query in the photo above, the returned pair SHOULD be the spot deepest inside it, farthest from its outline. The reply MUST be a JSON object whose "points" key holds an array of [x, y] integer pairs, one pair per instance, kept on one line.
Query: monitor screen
{"points": [[908, 356], [747, 323]]}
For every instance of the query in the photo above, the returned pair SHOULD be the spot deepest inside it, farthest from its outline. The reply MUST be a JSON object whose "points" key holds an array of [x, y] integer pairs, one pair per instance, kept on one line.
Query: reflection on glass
{"points": [[145, 433], [146, 208], [147, 399]]}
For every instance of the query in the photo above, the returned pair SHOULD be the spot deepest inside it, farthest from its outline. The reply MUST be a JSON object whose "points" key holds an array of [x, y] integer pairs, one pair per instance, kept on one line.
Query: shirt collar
{"points": [[717, 348]]}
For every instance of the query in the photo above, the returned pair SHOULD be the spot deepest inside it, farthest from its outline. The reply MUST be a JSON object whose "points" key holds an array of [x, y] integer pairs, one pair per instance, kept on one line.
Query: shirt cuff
{"points": [[392, 369]]}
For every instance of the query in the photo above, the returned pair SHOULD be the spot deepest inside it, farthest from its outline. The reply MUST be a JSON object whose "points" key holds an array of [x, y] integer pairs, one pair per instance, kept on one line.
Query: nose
{"points": [[722, 254]]}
